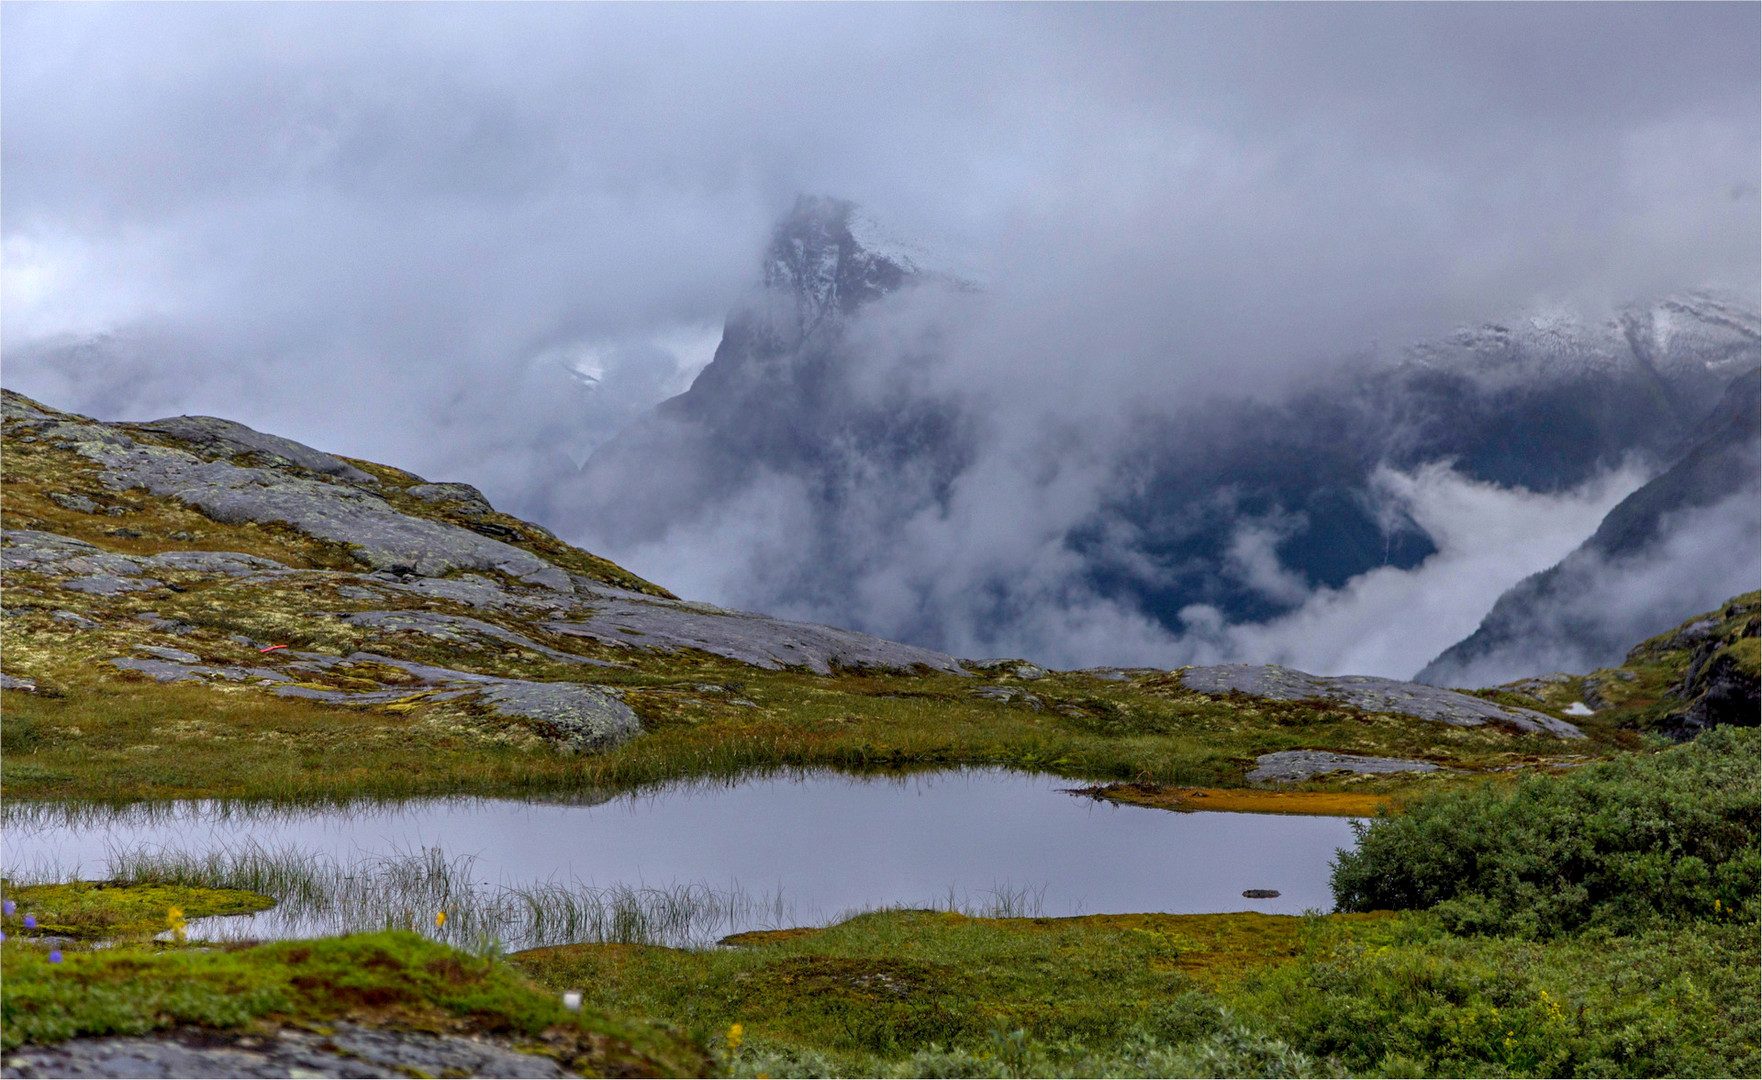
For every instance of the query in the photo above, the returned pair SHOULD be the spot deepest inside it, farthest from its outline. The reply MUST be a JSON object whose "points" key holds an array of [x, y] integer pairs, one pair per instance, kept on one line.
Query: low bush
{"points": [[1626, 845], [1404, 997]]}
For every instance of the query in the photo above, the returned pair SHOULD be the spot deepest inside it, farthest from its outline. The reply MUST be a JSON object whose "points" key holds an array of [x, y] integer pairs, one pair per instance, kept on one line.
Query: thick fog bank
{"points": [[1149, 397]]}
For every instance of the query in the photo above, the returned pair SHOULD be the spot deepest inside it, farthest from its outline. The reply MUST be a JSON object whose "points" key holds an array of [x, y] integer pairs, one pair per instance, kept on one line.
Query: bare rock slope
{"points": [[395, 558]]}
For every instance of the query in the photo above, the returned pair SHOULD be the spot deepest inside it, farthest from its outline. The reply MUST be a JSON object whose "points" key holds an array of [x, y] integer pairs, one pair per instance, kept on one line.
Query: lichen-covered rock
{"points": [[472, 590], [316, 504], [1009, 695], [226, 438], [110, 584], [668, 626], [1018, 668], [1291, 766], [232, 563], [1370, 694], [160, 670], [469, 499], [180, 655], [46, 552], [457, 628], [577, 716], [74, 502]]}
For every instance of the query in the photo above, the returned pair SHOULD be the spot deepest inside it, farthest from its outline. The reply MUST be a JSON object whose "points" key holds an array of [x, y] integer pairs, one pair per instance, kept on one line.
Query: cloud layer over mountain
{"points": [[481, 240]]}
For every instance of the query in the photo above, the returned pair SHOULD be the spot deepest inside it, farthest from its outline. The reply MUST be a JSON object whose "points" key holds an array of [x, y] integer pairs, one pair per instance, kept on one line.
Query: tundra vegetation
{"points": [[1526, 905]]}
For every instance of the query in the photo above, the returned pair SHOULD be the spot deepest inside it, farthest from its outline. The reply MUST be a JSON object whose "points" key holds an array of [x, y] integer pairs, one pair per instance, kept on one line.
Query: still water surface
{"points": [[825, 843]]}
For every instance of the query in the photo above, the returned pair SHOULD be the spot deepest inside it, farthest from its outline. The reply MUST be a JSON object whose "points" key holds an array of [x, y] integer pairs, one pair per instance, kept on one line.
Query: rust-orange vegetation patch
{"points": [[772, 937], [1211, 946], [1248, 800]]}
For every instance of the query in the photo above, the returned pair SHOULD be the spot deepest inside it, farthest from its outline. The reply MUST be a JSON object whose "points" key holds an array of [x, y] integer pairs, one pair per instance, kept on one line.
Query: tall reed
{"points": [[318, 894]]}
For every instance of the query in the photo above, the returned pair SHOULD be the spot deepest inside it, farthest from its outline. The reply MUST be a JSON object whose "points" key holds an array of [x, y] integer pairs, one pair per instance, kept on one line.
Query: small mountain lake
{"points": [[721, 857]]}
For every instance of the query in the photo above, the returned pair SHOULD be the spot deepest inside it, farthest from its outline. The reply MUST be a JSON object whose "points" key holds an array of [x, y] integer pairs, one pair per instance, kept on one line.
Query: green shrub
{"points": [[1623, 845], [1406, 998]]}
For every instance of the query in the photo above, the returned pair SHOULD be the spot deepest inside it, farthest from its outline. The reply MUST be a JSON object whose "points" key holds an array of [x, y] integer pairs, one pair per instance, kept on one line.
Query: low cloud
{"points": [[1596, 608], [1391, 622], [992, 574]]}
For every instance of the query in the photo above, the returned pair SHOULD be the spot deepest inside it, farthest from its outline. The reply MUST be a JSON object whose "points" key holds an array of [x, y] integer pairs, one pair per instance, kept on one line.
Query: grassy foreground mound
{"points": [[395, 978], [907, 993]]}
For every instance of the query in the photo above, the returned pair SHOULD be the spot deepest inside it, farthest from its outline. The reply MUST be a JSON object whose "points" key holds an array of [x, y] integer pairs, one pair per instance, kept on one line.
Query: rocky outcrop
{"points": [[226, 439], [1370, 694], [1292, 766], [378, 535], [637, 622], [577, 717], [1721, 677], [342, 1050]]}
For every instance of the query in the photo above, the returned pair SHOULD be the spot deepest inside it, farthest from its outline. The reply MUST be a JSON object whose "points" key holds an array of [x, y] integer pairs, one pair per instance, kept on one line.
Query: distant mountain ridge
{"points": [[1582, 612], [1545, 403]]}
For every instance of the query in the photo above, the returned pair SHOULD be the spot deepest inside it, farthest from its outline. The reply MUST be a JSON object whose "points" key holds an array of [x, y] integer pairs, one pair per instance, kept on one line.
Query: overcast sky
{"points": [[365, 225], [475, 240]]}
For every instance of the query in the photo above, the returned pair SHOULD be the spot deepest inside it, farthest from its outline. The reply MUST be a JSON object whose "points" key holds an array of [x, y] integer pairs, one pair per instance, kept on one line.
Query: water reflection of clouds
{"points": [[829, 843]]}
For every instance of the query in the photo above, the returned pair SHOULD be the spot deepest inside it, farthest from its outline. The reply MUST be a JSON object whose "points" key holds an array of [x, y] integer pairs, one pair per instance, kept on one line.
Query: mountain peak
{"points": [[816, 260]]}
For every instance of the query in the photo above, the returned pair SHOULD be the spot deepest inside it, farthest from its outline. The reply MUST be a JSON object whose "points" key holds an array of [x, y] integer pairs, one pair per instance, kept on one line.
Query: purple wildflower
{"points": [[55, 956], [30, 922], [9, 907]]}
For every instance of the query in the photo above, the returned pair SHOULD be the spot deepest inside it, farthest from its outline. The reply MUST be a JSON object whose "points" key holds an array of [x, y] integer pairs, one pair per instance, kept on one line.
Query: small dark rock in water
{"points": [[1260, 894]]}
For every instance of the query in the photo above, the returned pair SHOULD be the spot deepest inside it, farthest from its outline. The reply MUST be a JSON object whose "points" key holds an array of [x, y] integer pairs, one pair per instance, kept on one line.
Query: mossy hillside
{"points": [[388, 979], [110, 910], [102, 733]]}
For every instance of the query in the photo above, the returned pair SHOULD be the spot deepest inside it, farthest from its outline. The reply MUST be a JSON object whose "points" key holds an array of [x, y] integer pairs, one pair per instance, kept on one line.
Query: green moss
{"points": [[101, 909], [895, 982], [394, 978]]}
